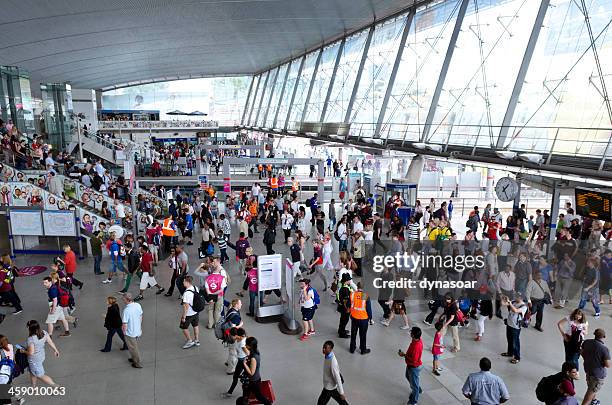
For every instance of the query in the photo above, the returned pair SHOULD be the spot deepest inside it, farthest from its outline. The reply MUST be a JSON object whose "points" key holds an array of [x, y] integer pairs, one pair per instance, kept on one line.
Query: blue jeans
{"points": [[252, 298], [342, 245], [513, 336], [97, 262], [412, 375], [116, 265], [594, 298], [521, 286]]}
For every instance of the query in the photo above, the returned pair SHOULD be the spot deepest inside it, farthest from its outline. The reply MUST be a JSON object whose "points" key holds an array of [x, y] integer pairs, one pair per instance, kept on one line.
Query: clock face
{"points": [[506, 189]]}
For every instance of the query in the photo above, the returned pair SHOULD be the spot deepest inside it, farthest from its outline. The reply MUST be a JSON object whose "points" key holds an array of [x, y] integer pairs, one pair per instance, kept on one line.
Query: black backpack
{"points": [[547, 389], [198, 301]]}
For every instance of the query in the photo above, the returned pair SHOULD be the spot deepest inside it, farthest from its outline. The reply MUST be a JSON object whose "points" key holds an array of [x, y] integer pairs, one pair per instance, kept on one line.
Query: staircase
{"points": [[103, 148]]}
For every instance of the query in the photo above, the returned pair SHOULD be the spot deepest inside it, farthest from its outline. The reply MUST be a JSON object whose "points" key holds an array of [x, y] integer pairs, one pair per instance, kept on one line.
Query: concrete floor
{"points": [[172, 375]]}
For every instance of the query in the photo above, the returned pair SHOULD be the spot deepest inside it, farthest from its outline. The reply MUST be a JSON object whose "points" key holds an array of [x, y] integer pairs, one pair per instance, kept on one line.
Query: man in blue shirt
{"points": [[484, 387], [314, 208]]}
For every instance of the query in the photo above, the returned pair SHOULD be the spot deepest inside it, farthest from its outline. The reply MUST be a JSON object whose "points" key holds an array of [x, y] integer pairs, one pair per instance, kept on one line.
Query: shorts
{"points": [[188, 234], [153, 249], [436, 357], [58, 315], [192, 320], [308, 313], [36, 368], [147, 280], [594, 384], [399, 306]]}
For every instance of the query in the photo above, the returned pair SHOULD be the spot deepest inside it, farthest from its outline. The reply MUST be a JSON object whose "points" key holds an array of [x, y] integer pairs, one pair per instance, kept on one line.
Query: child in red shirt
{"points": [[437, 348]]}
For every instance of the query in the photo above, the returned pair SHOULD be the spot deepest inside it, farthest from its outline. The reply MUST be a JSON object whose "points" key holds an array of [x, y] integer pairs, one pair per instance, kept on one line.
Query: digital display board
{"points": [[593, 204]]}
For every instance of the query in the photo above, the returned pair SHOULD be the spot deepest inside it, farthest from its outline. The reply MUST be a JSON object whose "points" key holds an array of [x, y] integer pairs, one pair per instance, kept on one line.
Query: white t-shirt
{"points": [[49, 162], [286, 221], [295, 206], [255, 191], [238, 346], [188, 299], [307, 303], [513, 317], [342, 231], [368, 235], [120, 211], [358, 227]]}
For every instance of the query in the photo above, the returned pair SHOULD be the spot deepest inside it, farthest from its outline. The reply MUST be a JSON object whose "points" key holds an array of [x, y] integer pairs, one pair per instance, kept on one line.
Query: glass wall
{"points": [[565, 90], [303, 84], [222, 98], [418, 71], [322, 82], [261, 119], [376, 71], [276, 96], [345, 77], [261, 89], [557, 100]]}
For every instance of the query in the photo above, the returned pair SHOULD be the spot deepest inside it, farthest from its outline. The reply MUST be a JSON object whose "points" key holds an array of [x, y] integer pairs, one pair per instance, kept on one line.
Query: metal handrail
{"points": [[157, 124]]}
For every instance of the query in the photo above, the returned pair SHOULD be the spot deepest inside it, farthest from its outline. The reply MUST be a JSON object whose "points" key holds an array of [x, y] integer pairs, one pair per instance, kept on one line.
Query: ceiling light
{"points": [[420, 145], [531, 157], [506, 154]]}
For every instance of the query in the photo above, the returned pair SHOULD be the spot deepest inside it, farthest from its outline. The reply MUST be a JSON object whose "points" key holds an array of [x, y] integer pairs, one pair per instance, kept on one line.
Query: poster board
{"points": [[26, 222], [269, 272], [59, 223]]}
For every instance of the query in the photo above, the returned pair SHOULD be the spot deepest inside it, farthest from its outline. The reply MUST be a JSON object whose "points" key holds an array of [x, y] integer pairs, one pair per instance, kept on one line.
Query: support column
{"points": [[282, 94], [227, 181], [321, 183], [332, 80], [444, 70], [554, 217], [415, 169], [294, 92], [246, 104], [398, 59], [312, 82], [364, 56], [522, 73], [517, 198], [490, 180]]}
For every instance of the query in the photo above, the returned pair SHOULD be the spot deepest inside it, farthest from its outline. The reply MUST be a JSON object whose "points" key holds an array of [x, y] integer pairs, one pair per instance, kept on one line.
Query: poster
{"points": [[269, 272], [203, 181]]}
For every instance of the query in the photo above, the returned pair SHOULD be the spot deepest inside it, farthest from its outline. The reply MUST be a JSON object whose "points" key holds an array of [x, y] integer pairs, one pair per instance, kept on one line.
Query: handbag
{"points": [[266, 390], [547, 298]]}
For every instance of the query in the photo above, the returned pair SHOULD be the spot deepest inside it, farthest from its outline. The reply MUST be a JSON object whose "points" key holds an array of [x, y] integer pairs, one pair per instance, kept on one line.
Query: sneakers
{"points": [[311, 333], [65, 334], [597, 316], [426, 322], [18, 312], [436, 372], [197, 343], [139, 298], [75, 323], [384, 322], [108, 280], [189, 344], [161, 290], [304, 337], [167, 294], [405, 327]]}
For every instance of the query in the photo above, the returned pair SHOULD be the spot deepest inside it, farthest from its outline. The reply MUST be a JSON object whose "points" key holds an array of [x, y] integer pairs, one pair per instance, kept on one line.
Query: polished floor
{"points": [[172, 375]]}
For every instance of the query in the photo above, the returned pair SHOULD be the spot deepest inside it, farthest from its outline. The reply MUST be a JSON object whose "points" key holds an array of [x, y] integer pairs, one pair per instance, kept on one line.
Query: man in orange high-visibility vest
{"points": [[274, 185], [361, 313], [168, 232]]}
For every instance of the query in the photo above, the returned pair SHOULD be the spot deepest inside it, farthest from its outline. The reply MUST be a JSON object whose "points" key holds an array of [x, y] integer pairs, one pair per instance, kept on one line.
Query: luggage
{"points": [[266, 390]]}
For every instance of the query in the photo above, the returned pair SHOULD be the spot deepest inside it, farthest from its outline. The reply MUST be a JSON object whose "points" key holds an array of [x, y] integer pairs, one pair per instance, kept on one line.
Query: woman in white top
{"points": [[573, 329], [7, 351], [308, 308]]}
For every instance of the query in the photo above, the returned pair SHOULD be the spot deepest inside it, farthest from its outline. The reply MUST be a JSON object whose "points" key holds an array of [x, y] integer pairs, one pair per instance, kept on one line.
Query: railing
{"points": [[567, 141], [157, 124], [110, 143]]}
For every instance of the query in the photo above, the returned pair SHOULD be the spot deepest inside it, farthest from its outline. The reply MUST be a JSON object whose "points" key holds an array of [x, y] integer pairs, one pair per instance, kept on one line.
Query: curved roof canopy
{"points": [[102, 44]]}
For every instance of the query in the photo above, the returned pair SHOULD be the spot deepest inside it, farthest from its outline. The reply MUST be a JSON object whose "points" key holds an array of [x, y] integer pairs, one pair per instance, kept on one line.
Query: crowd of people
{"points": [[516, 284]]}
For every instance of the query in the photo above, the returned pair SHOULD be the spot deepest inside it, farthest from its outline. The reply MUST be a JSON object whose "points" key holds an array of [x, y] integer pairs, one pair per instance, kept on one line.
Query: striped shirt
{"points": [[222, 240]]}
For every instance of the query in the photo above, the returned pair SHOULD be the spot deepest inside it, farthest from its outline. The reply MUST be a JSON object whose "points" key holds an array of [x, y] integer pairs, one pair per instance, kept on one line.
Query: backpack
{"points": [[64, 296], [122, 251], [316, 299], [223, 326], [156, 240], [198, 301], [336, 236], [308, 203], [547, 389], [471, 222], [5, 362], [210, 249]]}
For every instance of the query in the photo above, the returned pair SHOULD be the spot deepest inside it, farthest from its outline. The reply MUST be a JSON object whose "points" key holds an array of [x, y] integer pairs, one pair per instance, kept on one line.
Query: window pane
{"points": [[481, 75], [322, 81], [419, 70], [375, 76], [284, 103], [258, 97], [557, 93], [252, 99], [266, 98], [278, 87], [302, 90], [345, 77]]}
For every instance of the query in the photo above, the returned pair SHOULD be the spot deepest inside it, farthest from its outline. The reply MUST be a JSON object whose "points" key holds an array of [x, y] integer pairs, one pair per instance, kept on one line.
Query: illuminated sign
{"points": [[593, 204]]}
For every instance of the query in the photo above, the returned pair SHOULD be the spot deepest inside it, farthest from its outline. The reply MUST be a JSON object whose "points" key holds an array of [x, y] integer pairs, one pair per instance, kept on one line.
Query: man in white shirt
{"points": [[132, 328], [189, 316], [255, 190], [120, 210], [286, 224], [49, 162], [343, 235], [332, 379], [99, 168]]}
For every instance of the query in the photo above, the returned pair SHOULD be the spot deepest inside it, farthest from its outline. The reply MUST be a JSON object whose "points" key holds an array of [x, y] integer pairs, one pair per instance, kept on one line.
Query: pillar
{"points": [[554, 217], [415, 169], [57, 104], [321, 182], [490, 180], [16, 98]]}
